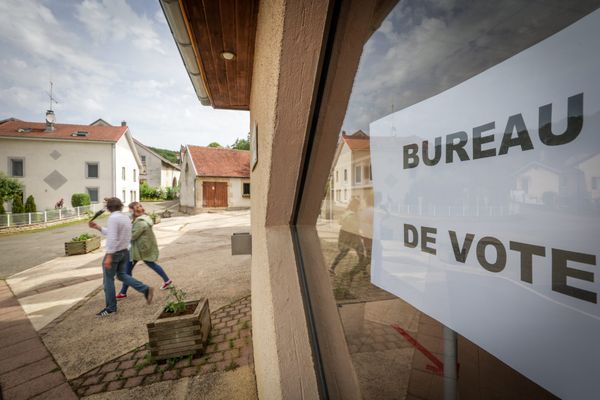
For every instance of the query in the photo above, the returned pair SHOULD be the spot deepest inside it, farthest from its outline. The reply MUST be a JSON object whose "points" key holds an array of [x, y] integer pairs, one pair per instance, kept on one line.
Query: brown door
{"points": [[214, 194]]}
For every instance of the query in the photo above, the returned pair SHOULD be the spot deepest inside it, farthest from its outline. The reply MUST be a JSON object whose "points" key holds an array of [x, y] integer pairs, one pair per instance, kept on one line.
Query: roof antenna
{"points": [[50, 117]]}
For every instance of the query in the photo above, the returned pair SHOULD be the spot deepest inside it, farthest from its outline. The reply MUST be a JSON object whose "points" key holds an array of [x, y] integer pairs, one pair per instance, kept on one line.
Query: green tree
{"points": [[2, 210], [215, 145], [30, 206], [170, 155], [9, 187], [241, 144], [17, 205]]}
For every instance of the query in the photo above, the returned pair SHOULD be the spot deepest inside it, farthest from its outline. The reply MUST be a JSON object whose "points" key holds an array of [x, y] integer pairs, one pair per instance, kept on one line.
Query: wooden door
{"points": [[214, 194]]}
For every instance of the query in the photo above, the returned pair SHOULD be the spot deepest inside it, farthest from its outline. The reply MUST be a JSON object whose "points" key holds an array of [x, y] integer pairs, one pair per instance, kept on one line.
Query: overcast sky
{"points": [[109, 59]]}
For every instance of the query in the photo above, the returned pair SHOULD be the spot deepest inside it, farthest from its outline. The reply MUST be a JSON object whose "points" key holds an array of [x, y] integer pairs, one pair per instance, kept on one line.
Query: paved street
{"points": [[61, 295]]}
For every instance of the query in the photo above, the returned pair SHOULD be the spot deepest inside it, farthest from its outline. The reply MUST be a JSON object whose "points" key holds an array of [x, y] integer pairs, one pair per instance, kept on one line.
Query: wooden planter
{"points": [[183, 335], [74, 248]]}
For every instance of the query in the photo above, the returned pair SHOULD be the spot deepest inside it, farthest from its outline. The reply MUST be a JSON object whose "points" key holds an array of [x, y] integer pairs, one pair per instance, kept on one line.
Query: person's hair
{"points": [[133, 204], [114, 204]]}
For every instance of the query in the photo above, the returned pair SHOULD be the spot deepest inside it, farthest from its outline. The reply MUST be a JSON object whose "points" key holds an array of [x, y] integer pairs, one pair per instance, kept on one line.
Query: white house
{"points": [[54, 161], [156, 170], [351, 175], [214, 178]]}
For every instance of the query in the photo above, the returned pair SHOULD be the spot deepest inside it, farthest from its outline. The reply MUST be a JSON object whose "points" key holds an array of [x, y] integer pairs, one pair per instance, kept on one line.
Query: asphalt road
{"points": [[23, 250]]}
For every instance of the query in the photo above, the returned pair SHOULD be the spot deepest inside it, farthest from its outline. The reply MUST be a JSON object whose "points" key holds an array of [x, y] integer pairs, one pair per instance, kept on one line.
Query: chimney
{"points": [[50, 120], [123, 123]]}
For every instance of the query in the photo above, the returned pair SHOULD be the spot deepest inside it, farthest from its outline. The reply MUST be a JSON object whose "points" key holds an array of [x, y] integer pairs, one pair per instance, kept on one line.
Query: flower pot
{"points": [[82, 247], [181, 335]]}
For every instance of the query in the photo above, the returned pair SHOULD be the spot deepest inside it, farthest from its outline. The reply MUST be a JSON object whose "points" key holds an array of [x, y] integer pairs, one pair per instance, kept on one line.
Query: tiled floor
{"points": [[27, 369], [230, 346]]}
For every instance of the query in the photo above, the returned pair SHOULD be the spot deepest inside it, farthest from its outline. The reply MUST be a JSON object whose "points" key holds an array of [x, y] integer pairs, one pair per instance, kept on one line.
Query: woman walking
{"points": [[143, 247]]}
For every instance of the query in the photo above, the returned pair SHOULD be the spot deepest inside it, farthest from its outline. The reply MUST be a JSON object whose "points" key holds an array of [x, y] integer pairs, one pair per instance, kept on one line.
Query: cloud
{"points": [[102, 57], [117, 21]]}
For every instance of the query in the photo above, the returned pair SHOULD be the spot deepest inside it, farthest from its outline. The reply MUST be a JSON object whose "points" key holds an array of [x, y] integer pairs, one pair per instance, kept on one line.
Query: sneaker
{"points": [[105, 313], [121, 296], [149, 294], [166, 285]]}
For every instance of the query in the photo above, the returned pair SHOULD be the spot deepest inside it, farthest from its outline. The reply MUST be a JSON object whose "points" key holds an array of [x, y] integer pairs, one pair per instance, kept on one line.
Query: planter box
{"points": [[74, 248], [183, 335]]}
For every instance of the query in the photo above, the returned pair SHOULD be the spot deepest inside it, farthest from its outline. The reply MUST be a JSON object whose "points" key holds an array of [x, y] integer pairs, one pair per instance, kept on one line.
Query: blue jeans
{"points": [[153, 266], [118, 267]]}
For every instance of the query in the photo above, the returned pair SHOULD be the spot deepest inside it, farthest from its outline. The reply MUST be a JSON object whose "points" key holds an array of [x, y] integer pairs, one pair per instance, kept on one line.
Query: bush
{"points": [[149, 192], [17, 205], [9, 187], [80, 199], [2, 210], [171, 193], [30, 206]]}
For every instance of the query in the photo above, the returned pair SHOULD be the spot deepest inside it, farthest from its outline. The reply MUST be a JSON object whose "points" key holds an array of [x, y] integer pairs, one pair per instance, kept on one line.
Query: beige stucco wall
{"points": [[71, 164], [287, 50], [540, 180], [187, 193]]}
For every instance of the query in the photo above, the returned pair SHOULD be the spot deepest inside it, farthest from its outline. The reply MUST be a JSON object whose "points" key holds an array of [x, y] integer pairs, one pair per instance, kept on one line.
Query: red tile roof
{"points": [[62, 131], [357, 141], [219, 162]]}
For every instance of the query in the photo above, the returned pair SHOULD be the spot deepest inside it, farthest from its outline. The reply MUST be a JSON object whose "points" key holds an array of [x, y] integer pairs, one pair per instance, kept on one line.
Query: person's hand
{"points": [[107, 261], [94, 225]]}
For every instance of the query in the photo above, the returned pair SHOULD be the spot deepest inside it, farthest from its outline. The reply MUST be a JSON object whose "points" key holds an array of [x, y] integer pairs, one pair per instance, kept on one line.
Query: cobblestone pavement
{"points": [[230, 346], [27, 369]]}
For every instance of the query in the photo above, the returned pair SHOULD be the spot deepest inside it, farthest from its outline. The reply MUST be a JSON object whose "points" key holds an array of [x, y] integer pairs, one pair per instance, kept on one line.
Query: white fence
{"points": [[41, 217]]}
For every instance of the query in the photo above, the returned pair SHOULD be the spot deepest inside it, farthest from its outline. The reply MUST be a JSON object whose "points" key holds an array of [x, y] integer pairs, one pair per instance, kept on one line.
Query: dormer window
{"points": [[80, 134], [24, 130]]}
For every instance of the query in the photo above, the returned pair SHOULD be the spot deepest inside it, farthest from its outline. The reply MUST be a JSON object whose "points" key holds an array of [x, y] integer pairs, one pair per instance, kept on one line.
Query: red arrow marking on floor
{"points": [[438, 367]]}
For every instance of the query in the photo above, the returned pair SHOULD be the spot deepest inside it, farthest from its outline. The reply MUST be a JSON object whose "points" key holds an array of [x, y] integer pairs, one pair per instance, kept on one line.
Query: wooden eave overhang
{"points": [[214, 27]]}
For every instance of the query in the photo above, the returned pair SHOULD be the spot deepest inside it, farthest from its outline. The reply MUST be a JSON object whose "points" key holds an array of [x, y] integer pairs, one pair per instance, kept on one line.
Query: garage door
{"points": [[214, 194]]}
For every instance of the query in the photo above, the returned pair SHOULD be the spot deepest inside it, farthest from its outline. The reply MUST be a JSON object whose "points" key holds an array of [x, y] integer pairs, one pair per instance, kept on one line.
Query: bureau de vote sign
{"points": [[487, 209]]}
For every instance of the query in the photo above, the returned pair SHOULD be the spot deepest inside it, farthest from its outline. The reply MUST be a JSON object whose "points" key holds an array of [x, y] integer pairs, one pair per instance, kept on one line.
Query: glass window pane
{"points": [[92, 170], [420, 51], [16, 167]]}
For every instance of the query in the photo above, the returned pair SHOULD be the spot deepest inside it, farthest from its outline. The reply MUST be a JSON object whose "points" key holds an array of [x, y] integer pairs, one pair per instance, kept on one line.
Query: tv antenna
{"points": [[51, 96]]}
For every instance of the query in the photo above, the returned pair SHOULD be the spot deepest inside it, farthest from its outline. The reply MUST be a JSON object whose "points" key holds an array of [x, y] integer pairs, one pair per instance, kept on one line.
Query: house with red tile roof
{"points": [[53, 161], [351, 175], [214, 178]]}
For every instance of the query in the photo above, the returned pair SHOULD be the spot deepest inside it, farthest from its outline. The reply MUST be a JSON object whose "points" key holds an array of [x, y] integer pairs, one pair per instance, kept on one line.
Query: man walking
{"points": [[118, 236]]}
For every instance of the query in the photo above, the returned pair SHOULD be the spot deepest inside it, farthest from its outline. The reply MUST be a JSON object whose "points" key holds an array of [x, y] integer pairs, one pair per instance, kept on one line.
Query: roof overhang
{"points": [[204, 30]]}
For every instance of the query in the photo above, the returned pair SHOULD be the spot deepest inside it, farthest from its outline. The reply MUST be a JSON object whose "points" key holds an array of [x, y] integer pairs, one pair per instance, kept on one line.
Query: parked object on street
{"points": [[181, 328], [82, 244]]}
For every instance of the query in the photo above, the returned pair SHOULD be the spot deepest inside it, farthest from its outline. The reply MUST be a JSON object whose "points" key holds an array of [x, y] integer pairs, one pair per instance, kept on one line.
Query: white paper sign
{"points": [[487, 201]]}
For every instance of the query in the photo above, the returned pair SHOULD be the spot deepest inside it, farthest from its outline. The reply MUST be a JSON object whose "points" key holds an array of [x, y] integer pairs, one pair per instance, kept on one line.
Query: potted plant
{"points": [[180, 328], [82, 244], [155, 217]]}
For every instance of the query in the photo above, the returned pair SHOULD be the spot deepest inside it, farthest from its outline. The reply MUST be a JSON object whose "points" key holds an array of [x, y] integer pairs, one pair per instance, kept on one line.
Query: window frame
{"points": [[87, 170], [10, 167], [97, 189]]}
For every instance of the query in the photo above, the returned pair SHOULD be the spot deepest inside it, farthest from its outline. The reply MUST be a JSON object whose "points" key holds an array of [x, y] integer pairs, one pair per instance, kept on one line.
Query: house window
{"points": [[143, 158], [357, 174], [337, 176], [595, 182], [124, 197], [345, 175], [91, 170], [246, 189], [93, 192], [367, 172], [134, 175], [345, 194], [123, 173], [17, 167]]}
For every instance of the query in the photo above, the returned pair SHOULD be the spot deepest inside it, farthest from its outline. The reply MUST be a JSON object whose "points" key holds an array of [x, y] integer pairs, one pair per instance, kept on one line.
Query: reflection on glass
{"points": [[421, 49]]}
